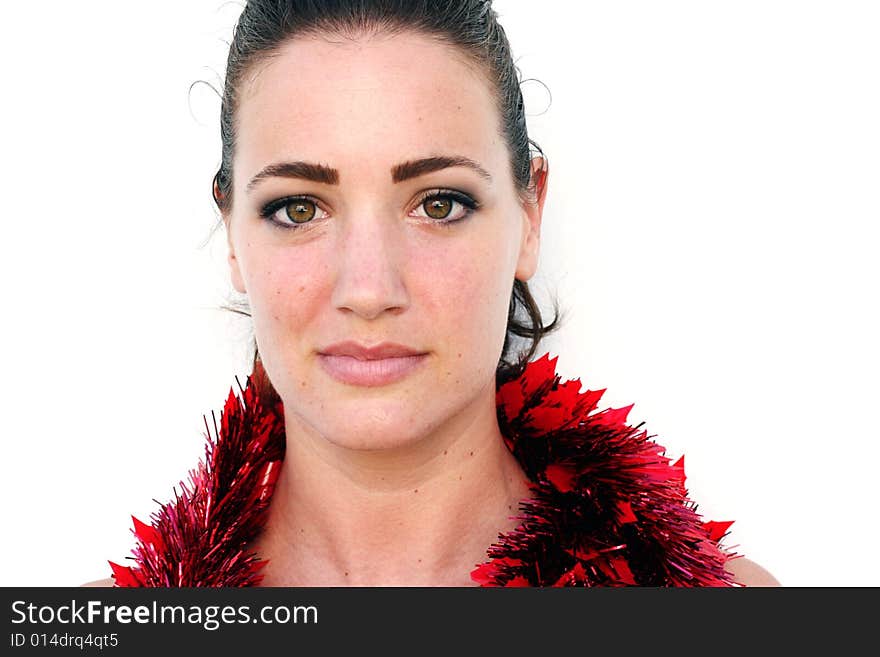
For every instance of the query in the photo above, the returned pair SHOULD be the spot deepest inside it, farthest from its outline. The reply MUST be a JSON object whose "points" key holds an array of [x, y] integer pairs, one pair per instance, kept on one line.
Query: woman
{"points": [[383, 213]]}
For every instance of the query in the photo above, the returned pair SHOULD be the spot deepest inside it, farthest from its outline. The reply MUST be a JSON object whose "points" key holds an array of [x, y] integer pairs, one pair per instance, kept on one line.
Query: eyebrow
{"points": [[321, 173]]}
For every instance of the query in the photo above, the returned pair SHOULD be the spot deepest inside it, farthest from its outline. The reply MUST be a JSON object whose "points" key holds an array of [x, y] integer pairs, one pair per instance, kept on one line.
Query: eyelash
{"points": [[469, 204]]}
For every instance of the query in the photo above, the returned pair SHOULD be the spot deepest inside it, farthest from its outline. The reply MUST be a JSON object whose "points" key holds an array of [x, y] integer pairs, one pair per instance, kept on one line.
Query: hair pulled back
{"points": [[471, 26]]}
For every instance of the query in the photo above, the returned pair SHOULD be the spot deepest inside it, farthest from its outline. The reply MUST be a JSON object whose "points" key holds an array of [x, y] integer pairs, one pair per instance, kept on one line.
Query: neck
{"points": [[419, 515]]}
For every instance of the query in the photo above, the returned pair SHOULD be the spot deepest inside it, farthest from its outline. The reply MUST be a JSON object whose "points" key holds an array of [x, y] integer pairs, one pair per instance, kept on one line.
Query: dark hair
{"points": [[472, 26]]}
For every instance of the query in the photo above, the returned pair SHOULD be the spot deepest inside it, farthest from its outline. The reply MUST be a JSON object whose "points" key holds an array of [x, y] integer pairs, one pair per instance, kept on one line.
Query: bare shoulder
{"points": [[99, 582], [749, 573]]}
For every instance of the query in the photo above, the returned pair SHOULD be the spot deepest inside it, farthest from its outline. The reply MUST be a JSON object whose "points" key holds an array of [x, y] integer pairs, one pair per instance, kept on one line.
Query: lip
{"points": [[358, 365], [376, 352]]}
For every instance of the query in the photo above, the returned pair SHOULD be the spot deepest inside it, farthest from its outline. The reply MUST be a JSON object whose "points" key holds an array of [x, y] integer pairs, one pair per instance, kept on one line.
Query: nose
{"points": [[369, 261]]}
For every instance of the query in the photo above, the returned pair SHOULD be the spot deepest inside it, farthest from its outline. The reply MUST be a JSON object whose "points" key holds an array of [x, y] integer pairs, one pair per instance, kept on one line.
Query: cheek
{"points": [[459, 290], [466, 291], [286, 288]]}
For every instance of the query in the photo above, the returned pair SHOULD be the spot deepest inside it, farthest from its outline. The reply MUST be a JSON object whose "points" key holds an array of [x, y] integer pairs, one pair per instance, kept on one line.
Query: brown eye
{"points": [[438, 207], [445, 207], [300, 211]]}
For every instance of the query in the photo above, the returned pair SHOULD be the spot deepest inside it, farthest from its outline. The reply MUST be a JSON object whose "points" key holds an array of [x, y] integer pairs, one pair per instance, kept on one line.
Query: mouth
{"points": [[357, 365]]}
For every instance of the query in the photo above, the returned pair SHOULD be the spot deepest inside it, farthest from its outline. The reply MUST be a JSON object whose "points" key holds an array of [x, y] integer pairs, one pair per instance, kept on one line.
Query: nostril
{"points": [[370, 289]]}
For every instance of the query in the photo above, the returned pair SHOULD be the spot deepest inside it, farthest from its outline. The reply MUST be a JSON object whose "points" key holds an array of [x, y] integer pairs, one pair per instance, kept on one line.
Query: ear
{"points": [[234, 269], [527, 263]]}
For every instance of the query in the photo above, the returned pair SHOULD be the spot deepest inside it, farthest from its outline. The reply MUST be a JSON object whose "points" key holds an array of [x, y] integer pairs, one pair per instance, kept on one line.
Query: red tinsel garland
{"points": [[608, 508]]}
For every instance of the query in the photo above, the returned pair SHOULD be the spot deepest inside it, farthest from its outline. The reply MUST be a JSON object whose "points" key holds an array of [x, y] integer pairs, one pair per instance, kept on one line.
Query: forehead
{"points": [[377, 100]]}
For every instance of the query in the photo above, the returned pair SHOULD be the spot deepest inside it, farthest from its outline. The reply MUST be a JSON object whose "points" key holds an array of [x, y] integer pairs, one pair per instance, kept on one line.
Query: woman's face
{"points": [[355, 166]]}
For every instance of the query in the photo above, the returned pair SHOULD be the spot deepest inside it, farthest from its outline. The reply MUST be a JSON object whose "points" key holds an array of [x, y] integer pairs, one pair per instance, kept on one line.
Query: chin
{"points": [[397, 416], [373, 434], [393, 422]]}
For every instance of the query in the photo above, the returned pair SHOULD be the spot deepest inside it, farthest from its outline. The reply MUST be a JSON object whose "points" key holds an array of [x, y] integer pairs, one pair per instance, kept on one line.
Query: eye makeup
{"points": [[468, 204], [287, 221], [273, 208]]}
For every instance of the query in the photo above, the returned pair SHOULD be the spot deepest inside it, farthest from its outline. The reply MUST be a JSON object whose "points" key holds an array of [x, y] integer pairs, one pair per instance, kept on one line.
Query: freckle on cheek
{"points": [[302, 289]]}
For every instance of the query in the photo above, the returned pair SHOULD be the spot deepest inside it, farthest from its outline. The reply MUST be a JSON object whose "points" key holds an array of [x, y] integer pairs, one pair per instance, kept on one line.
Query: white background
{"points": [[711, 231]]}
